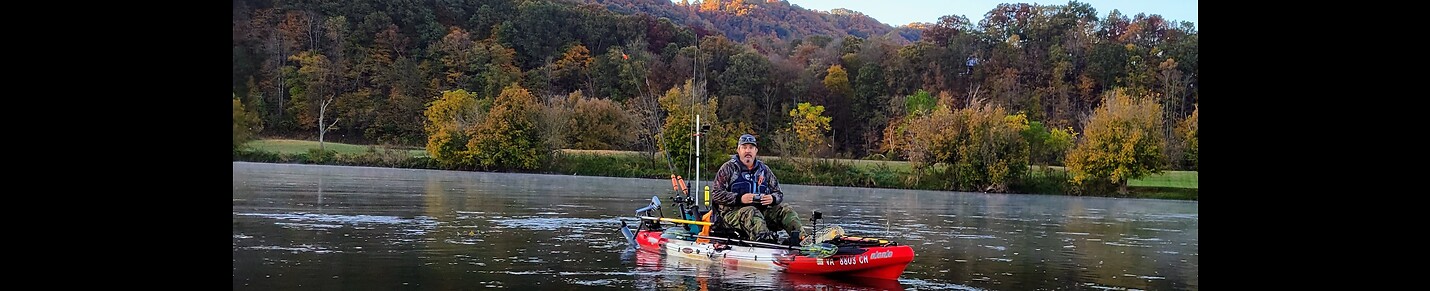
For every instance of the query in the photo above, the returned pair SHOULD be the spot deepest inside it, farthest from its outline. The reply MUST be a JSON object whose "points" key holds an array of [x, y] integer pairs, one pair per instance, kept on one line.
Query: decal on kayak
{"points": [[687, 250], [856, 260], [881, 255]]}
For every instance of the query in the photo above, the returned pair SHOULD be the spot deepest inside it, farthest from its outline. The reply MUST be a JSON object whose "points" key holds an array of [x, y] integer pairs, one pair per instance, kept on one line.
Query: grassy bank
{"points": [[1178, 185]]}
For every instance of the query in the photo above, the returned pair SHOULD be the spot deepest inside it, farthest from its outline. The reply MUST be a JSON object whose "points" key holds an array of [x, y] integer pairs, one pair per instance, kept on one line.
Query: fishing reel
{"points": [[683, 199]]}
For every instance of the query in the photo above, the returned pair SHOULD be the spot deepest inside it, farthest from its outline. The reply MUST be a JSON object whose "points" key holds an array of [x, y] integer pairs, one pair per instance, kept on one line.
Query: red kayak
{"points": [[879, 262], [831, 253]]}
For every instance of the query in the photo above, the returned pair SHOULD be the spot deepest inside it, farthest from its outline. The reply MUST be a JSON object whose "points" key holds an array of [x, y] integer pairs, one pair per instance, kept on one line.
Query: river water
{"points": [[317, 227]]}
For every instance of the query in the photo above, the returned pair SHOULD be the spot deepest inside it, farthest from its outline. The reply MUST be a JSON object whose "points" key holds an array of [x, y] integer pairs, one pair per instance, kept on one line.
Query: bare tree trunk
{"points": [[323, 129]]}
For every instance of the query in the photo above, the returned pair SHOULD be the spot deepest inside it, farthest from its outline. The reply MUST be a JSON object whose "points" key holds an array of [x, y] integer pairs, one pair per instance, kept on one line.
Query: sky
{"points": [[901, 12]]}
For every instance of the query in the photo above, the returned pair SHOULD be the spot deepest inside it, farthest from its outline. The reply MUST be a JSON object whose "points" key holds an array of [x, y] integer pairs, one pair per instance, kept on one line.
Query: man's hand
{"points": [[749, 198]]}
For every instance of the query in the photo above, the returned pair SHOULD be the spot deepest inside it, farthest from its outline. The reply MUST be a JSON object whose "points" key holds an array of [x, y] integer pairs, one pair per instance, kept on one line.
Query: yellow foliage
{"points": [[810, 126], [1122, 141], [508, 137], [837, 80], [246, 124], [449, 118]]}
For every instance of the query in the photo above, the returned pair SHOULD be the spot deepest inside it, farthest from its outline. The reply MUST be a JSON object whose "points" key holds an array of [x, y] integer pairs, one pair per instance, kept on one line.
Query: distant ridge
{"points": [[741, 19]]}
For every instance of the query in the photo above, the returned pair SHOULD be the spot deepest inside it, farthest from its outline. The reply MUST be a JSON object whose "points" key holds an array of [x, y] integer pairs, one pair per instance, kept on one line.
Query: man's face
{"points": [[747, 153]]}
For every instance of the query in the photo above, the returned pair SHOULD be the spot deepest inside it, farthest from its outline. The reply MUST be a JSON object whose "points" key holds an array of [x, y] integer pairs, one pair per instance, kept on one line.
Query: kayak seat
{"points": [[718, 228]]}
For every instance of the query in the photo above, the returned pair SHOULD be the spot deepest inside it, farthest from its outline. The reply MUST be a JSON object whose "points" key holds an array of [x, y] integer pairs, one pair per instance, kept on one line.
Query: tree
{"points": [[979, 146], [747, 74], [1122, 141], [322, 128], [810, 127], [837, 80], [841, 102], [1187, 130], [459, 59], [1047, 146], [246, 124], [307, 84], [996, 154], [508, 137], [896, 133], [681, 107], [449, 119], [572, 70], [602, 125]]}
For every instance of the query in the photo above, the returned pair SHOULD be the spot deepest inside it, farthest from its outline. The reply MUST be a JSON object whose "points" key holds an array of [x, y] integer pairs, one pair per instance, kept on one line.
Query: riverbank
{"points": [[1175, 185]]}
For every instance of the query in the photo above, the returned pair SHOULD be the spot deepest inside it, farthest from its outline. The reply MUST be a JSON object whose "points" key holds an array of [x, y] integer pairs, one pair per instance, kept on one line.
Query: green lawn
{"points": [[291, 146], [1167, 180]]}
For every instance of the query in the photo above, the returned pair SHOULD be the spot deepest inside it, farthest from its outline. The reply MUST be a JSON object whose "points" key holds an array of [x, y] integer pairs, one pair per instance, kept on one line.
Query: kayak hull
{"points": [[878, 262]]}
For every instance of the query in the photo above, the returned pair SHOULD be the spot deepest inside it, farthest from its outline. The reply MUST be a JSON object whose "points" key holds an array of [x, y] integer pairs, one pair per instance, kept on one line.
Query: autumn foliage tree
{"points": [[246, 124], [602, 124], [1122, 141], [450, 118], [508, 138], [896, 133], [810, 127], [1187, 130], [979, 147]]}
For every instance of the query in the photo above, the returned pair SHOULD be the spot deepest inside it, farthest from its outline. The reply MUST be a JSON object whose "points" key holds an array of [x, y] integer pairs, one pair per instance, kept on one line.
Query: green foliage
{"points": [[308, 87], [921, 102], [1059, 141], [1122, 141], [319, 156], [1188, 130], [449, 149], [748, 73], [508, 137], [722, 142], [678, 130], [1047, 146], [246, 125], [449, 119], [602, 124], [1036, 135], [619, 74], [996, 155], [255, 155], [834, 172], [610, 165]]}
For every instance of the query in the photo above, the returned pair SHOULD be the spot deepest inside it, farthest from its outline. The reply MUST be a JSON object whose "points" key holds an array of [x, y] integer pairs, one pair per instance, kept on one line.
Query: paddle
{"points": [[817, 250], [676, 220]]}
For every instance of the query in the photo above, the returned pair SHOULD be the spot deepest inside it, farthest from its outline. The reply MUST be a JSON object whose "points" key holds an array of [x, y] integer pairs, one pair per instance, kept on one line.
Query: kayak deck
{"points": [[880, 262]]}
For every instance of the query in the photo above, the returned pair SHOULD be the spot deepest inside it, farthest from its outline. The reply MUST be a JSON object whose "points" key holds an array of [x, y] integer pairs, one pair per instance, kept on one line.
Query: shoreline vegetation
{"points": [[1046, 180]]}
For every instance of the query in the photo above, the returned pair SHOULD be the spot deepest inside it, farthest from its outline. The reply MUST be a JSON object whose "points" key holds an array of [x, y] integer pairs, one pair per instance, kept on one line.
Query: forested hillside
{"points": [[743, 20], [613, 74]]}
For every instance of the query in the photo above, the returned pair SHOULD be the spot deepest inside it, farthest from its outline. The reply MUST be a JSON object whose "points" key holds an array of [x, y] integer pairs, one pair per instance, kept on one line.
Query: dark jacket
{"points": [[734, 179]]}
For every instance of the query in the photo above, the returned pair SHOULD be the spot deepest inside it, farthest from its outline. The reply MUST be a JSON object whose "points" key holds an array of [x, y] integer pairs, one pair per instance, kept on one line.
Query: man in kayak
{"points": [[748, 197]]}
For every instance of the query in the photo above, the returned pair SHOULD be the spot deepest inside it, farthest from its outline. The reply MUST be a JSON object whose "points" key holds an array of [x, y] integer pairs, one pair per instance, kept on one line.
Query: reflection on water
{"points": [[303, 227]]}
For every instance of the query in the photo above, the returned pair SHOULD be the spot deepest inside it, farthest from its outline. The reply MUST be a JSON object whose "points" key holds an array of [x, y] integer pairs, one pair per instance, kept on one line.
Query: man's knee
{"points": [[744, 217]]}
